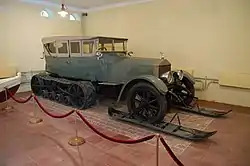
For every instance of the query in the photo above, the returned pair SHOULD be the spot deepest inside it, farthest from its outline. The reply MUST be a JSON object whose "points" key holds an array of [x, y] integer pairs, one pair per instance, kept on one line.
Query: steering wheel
{"points": [[102, 49]]}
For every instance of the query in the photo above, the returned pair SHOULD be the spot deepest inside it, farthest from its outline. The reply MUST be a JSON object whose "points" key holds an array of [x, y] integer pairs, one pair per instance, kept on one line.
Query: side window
{"points": [[75, 47], [63, 49], [87, 47], [109, 46], [119, 47]]}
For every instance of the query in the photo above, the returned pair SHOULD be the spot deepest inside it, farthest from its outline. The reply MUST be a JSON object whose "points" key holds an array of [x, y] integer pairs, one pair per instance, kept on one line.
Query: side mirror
{"points": [[98, 54], [130, 53]]}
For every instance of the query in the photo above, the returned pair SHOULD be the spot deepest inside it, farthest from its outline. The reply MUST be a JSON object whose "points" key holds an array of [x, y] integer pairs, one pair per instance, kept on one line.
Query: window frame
{"points": [[75, 54], [68, 49]]}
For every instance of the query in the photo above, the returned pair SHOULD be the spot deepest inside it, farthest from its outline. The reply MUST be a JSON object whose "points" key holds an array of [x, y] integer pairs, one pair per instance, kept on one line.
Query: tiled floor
{"points": [[46, 144]]}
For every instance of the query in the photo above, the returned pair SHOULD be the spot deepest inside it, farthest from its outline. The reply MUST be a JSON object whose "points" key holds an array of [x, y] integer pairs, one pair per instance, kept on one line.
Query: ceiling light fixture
{"points": [[63, 12]]}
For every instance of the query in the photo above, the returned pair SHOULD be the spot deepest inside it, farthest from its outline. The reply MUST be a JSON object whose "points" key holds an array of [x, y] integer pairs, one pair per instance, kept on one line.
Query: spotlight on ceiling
{"points": [[63, 12]]}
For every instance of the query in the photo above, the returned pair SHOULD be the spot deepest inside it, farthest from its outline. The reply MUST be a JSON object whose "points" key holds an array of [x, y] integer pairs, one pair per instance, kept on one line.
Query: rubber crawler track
{"points": [[60, 90]]}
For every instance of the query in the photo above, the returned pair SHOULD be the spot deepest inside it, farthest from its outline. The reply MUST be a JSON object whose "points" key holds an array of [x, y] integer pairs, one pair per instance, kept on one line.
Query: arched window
{"points": [[72, 18], [44, 13]]}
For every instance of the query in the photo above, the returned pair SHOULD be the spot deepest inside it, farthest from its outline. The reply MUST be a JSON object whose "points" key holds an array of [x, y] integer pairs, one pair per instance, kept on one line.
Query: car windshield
{"points": [[112, 45]]}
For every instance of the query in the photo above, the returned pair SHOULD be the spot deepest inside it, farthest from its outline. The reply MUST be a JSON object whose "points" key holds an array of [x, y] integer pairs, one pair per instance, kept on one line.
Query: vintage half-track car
{"points": [[77, 66]]}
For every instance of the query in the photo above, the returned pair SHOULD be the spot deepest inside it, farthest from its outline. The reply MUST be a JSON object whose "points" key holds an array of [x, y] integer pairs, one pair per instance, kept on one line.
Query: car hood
{"points": [[150, 61]]}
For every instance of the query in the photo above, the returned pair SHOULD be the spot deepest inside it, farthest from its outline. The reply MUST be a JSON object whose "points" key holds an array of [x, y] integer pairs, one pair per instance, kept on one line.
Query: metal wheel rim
{"points": [[145, 104], [36, 86], [77, 95]]}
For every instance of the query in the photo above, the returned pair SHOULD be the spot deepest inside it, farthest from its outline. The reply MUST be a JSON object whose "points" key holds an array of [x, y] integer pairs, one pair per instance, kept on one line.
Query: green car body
{"points": [[103, 60]]}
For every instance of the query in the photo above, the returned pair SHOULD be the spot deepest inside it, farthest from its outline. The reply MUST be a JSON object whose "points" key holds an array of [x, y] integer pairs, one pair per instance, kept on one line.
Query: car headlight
{"points": [[180, 74], [168, 76]]}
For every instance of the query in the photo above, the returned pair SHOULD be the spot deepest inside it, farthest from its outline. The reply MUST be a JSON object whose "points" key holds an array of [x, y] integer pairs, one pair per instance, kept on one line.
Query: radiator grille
{"points": [[163, 69]]}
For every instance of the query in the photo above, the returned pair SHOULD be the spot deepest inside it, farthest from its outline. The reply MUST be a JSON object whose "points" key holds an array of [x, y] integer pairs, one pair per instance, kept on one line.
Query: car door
{"points": [[58, 61], [85, 65]]}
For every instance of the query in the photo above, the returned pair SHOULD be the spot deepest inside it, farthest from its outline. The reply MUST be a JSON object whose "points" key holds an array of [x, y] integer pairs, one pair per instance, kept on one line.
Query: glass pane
{"points": [[87, 48], [63, 49], [109, 47], [75, 47], [119, 47], [51, 48]]}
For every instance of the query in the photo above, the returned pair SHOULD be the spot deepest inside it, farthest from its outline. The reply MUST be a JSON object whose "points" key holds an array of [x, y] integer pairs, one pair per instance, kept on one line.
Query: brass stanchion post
{"points": [[76, 140], [157, 149], [7, 107], [35, 119]]}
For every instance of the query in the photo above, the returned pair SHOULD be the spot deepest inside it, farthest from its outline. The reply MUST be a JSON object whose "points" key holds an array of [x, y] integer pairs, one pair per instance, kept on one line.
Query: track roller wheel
{"points": [[82, 94], [78, 95], [58, 97], [45, 94], [52, 95], [146, 103], [61, 98], [37, 85], [67, 100]]}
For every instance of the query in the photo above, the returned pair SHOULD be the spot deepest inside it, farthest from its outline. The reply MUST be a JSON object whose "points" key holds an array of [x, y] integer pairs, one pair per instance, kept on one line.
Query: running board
{"points": [[211, 112], [164, 127]]}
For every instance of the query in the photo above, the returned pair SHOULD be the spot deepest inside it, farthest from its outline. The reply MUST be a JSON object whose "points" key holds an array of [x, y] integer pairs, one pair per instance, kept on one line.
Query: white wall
{"points": [[21, 30], [208, 36]]}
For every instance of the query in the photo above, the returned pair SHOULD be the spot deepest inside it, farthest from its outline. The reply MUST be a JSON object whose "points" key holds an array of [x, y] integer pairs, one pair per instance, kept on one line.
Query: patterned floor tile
{"points": [[98, 117]]}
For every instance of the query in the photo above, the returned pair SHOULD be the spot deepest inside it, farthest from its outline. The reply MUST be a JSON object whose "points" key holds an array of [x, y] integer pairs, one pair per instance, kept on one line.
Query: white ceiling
{"points": [[86, 4], [80, 5], [83, 5]]}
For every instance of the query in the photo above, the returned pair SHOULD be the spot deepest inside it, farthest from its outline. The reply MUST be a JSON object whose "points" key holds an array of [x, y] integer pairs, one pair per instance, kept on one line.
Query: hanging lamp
{"points": [[63, 12]]}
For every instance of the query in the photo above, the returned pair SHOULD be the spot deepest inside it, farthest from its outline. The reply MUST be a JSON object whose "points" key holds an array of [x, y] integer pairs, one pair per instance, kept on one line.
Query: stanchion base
{"points": [[7, 108], [35, 120], [76, 141]]}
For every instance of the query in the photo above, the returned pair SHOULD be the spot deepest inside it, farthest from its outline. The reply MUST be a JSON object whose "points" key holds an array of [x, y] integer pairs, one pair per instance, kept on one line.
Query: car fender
{"points": [[155, 81], [188, 76]]}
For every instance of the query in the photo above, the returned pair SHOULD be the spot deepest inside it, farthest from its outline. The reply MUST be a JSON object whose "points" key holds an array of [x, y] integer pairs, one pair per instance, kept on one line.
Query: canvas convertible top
{"points": [[102, 39]]}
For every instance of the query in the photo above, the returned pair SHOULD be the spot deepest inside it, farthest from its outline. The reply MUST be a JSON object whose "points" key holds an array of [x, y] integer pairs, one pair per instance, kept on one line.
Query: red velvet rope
{"points": [[114, 139], [50, 114], [177, 161], [18, 100], [170, 152]]}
